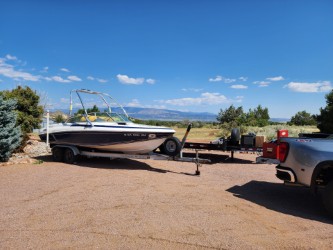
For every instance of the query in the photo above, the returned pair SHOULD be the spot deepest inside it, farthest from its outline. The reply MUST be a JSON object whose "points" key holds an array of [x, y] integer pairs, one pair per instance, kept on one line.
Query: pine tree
{"points": [[10, 134], [28, 109]]}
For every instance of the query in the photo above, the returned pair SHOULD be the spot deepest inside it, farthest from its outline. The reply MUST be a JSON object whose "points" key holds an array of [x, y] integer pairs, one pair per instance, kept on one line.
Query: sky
{"points": [[187, 55]]}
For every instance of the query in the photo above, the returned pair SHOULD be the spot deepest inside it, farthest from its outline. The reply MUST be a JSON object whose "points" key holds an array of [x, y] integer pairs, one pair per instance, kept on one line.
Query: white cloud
{"points": [[45, 69], [9, 71], [238, 86], [305, 87], [216, 79], [64, 100], [65, 70], [134, 103], [128, 80], [150, 81], [59, 79], [92, 78], [191, 90], [74, 78], [101, 80], [221, 78], [262, 83], [228, 80], [239, 98], [10, 57], [205, 99], [243, 78], [275, 78]]}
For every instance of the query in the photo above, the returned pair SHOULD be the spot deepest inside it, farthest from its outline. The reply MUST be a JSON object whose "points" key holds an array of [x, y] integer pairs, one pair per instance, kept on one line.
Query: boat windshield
{"points": [[92, 103], [99, 117]]}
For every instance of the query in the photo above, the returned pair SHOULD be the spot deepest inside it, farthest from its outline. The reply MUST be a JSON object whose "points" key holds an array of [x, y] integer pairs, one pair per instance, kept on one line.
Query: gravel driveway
{"points": [[146, 204]]}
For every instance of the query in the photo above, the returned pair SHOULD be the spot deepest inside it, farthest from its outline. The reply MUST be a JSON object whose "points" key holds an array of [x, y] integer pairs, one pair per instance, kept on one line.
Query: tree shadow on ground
{"points": [[113, 164], [296, 201]]}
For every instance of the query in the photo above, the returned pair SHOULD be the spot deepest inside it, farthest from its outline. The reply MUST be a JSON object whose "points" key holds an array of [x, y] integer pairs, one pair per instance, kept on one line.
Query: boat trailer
{"points": [[70, 154]]}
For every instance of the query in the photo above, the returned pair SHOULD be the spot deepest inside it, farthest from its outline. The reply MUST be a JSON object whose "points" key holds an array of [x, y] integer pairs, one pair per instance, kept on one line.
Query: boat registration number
{"points": [[135, 135]]}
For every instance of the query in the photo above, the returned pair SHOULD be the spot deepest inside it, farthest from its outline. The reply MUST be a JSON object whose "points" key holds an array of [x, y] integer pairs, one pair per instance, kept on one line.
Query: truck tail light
{"points": [[283, 151]]}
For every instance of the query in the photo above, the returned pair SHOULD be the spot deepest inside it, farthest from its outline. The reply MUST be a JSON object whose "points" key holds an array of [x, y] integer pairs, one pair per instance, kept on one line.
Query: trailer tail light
{"points": [[283, 151], [282, 133]]}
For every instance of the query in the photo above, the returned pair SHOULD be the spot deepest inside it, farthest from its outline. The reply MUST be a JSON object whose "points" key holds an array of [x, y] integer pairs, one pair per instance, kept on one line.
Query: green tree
{"points": [[257, 117], [29, 111], [325, 118], [302, 118], [231, 117], [10, 133], [94, 109], [261, 116], [235, 117], [250, 119]]}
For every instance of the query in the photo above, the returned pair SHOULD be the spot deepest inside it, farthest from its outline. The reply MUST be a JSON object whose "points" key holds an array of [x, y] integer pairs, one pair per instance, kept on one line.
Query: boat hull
{"points": [[127, 140]]}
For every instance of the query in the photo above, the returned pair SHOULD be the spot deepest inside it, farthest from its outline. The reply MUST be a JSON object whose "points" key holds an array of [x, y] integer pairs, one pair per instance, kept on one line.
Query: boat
{"points": [[111, 130]]}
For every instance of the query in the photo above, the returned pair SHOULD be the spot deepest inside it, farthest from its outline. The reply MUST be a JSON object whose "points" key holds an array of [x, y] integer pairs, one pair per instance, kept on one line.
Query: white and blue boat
{"points": [[110, 130]]}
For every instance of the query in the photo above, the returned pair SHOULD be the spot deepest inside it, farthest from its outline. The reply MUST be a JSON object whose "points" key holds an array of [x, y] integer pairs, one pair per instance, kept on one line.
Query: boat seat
{"points": [[90, 117]]}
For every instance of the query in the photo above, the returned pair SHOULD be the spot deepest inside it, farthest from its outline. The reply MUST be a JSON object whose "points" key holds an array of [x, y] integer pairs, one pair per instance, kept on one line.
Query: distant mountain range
{"points": [[168, 115], [280, 120], [174, 115]]}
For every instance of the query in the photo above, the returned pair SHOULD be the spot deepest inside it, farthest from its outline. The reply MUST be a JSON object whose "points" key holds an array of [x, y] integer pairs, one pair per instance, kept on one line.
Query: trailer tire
{"points": [[69, 156], [58, 154], [328, 198], [171, 146]]}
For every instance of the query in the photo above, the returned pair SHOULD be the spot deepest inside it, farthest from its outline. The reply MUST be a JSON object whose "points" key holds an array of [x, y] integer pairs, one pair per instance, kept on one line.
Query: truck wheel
{"points": [[58, 154], [171, 146], [328, 198], [69, 156]]}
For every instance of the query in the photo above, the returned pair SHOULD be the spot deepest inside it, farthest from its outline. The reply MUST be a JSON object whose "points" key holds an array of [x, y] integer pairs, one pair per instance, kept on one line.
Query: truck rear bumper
{"points": [[285, 174]]}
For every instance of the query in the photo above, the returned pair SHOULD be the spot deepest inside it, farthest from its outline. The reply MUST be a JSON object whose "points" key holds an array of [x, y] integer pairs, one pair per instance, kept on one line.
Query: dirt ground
{"points": [[146, 204]]}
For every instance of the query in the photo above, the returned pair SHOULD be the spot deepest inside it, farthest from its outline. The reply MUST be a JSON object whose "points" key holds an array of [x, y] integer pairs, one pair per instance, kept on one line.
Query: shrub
{"points": [[10, 133], [29, 111]]}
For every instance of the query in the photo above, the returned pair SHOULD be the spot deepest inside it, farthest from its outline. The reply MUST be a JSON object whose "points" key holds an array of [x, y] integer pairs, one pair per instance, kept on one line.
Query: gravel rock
{"points": [[146, 204], [33, 149], [36, 148]]}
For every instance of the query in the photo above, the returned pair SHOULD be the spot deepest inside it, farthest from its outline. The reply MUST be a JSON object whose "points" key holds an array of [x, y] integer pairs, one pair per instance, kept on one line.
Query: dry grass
{"points": [[270, 131], [202, 134], [208, 134]]}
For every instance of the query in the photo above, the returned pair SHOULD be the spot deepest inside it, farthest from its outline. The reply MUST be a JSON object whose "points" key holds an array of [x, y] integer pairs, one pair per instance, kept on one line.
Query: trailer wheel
{"points": [[69, 156], [171, 146], [328, 198], [58, 154]]}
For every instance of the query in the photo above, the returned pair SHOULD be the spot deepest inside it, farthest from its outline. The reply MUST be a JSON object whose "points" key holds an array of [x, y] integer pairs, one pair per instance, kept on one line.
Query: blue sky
{"points": [[182, 55]]}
